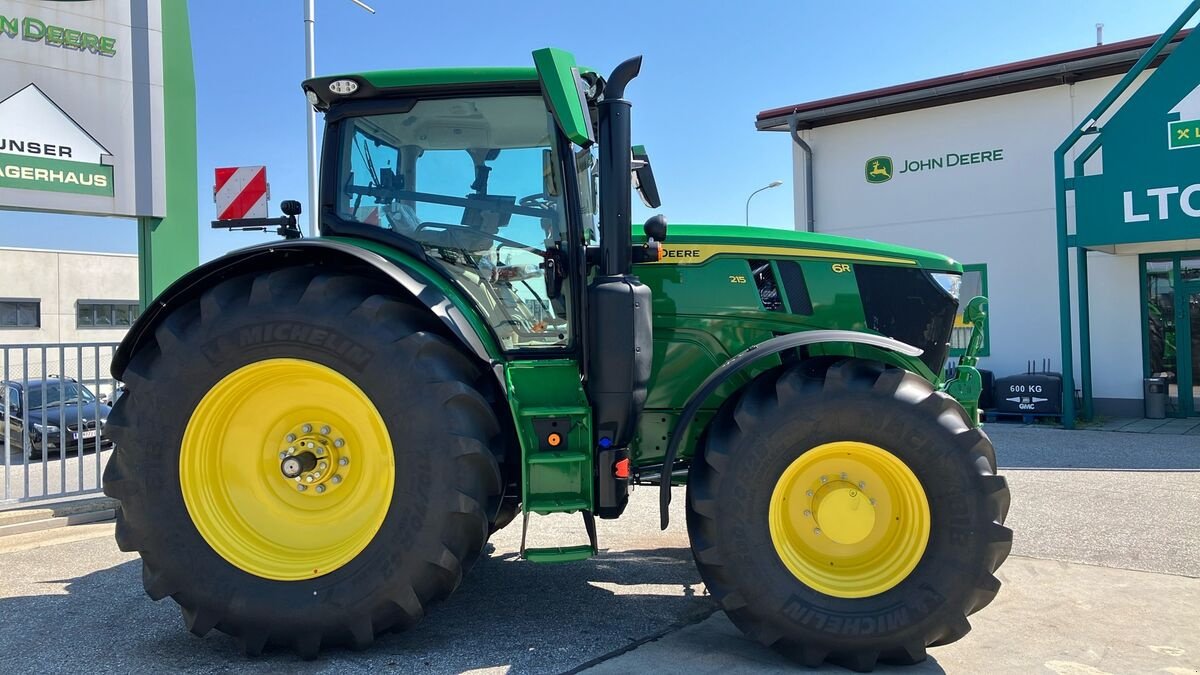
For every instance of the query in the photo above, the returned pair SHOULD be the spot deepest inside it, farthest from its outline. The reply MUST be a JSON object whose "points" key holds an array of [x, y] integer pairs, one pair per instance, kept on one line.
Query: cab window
{"points": [[474, 181]]}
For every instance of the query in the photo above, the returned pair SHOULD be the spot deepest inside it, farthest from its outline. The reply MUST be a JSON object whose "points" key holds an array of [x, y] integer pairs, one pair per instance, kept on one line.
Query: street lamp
{"points": [[768, 186], [310, 72]]}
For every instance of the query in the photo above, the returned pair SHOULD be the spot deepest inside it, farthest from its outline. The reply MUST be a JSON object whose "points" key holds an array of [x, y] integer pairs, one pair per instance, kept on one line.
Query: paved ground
{"points": [[1089, 497], [1137, 425]]}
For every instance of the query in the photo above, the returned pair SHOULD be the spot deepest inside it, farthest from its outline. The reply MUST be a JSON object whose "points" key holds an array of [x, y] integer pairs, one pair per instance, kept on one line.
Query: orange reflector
{"points": [[661, 252], [554, 440], [621, 468]]}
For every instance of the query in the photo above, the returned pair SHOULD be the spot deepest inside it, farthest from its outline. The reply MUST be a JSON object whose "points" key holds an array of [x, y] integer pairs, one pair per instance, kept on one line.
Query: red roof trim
{"points": [[992, 71]]}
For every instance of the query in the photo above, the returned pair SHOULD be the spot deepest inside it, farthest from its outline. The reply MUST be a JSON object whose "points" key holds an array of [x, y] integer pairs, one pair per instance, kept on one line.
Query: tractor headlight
{"points": [[949, 282]]}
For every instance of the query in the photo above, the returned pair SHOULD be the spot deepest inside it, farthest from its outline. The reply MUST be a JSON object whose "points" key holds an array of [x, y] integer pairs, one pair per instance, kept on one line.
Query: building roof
{"points": [[1046, 71]]}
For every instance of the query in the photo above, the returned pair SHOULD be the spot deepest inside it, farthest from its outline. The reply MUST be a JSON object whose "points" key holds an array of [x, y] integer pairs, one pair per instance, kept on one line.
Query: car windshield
{"points": [[476, 182], [51, 393]]}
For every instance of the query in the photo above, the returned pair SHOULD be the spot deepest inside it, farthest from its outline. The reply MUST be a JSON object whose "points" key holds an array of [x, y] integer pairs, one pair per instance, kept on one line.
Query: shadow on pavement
{"points": [[1020, 447], [508, 613]]}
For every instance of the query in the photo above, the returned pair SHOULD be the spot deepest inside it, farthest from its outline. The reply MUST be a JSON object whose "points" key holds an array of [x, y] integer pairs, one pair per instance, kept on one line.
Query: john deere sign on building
{"points": [[98, 117], [81, 107]]}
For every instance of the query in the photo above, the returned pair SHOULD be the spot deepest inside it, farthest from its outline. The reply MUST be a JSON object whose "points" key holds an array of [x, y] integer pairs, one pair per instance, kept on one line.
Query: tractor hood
{"points": [[697, 243]]}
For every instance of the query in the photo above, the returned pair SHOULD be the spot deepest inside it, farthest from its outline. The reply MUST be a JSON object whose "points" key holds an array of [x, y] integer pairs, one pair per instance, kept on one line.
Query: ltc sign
{"points": [[1149, 187]]}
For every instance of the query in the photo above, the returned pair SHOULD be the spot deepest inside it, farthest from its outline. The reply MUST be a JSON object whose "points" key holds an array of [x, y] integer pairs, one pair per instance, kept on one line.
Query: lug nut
{"points": [[291, 450], [322, 466], [308, 478], [325, 431], [824, 479], [291, 438], [339, 443], [343, 461], [843, 475], [872, 501], [808, 493], [336, 478], [807, 513], [320, 488], [817, 531], [302, 487], [307, 428], [283, 455], [862, 485]]}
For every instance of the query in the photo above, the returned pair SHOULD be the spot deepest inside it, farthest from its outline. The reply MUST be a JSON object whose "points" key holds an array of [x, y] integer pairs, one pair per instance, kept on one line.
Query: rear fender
{"points": [[409, 278]]}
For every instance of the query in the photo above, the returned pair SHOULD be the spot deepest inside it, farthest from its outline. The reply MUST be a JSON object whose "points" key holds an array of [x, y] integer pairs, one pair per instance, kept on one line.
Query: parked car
{"points": [[56, 411]]}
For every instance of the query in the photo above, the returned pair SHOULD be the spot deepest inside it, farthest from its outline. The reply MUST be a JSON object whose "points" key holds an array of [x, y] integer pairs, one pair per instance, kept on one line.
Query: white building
{"points": [[963, 165], [57, 297]]}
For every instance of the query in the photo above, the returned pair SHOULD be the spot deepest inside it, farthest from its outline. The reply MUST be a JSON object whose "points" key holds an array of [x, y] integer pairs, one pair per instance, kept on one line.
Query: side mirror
{"points": [[656, 228], [563, 91], [643, 178]]}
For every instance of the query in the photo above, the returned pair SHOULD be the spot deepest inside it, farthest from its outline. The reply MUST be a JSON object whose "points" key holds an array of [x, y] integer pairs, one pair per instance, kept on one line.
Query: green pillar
{"points": [[169, 247], [1064, 286]]}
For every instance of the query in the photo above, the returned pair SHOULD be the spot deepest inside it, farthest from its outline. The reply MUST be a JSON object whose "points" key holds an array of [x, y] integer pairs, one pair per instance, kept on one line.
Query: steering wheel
{"points": [[540, 200]]}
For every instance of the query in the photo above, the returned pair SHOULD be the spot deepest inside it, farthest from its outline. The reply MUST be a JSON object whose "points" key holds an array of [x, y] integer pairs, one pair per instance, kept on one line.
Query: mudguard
{"points": [[300, 251]]}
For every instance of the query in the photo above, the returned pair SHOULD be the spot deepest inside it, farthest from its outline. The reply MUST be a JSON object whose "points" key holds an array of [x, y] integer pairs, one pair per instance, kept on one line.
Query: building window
{"points": [[106, 314], [974, 282], [20, 313]]}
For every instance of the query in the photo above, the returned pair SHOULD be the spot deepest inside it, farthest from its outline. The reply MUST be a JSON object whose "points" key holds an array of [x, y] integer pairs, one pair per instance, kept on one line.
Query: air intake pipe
{"points": [[616, 193]]}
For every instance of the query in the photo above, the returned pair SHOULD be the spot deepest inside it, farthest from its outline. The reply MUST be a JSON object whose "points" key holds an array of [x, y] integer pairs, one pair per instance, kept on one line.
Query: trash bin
{"points": [[1155, 394]]}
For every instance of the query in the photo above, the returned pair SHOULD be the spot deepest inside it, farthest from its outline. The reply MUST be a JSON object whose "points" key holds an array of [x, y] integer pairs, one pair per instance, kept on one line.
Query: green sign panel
{"points": [[55, 175], [1149, 186]]}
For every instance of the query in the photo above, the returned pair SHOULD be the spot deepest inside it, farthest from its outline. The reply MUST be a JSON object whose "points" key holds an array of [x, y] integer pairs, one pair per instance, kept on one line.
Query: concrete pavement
{"points": [[78, 603]]}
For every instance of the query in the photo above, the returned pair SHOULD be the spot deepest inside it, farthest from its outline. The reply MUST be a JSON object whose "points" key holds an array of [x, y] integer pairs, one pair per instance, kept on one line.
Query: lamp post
{"points": [[310, 71], [768, 186]]}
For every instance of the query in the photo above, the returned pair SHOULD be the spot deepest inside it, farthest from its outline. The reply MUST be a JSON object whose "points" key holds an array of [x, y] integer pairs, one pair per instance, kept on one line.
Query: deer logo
{"points": [[879, 169]]}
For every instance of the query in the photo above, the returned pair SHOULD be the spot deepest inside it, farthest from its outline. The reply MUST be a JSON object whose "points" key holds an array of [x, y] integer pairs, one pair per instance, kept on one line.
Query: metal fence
{"points": [[54, 400]]}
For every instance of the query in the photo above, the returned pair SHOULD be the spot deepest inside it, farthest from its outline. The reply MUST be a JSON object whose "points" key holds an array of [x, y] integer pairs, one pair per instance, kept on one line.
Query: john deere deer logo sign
{"points": [[879, 169]]}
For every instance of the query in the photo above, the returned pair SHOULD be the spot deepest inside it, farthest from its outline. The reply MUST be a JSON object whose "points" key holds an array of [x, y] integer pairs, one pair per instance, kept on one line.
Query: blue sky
{"points": [[709, 67]]}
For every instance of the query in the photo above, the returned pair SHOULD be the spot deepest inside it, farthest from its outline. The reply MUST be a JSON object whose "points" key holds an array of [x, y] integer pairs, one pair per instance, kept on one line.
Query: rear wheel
{"points": [[847, 511], [302, 460]]}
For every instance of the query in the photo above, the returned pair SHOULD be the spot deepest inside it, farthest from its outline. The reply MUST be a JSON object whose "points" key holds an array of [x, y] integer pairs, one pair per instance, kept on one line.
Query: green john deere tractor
{"points": [[320, 434]]}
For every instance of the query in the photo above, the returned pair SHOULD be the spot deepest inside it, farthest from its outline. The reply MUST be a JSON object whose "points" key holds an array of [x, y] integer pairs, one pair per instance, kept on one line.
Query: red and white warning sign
{"points": [[241, 192]]}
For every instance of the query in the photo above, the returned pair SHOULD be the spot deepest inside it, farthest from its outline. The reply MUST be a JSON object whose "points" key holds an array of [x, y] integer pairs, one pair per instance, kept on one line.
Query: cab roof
{"points": [[391, 82]]}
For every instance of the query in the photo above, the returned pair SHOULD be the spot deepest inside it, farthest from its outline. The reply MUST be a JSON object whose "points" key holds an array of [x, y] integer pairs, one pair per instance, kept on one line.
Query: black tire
{"points": [[447, 484], [781, 415]]}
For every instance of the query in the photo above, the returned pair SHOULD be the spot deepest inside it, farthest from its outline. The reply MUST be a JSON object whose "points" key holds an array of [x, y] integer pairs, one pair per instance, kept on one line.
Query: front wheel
{"points": [[302, 460], [847, 511]]}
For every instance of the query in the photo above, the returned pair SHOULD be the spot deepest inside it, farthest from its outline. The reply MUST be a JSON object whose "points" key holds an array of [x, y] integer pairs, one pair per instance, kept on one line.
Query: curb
{"points": [[51, 516]]}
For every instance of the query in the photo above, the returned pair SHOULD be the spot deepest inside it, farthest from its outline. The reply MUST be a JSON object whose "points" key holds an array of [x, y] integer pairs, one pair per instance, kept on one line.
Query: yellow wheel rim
{"points": [[849, 519], [298, 417]]}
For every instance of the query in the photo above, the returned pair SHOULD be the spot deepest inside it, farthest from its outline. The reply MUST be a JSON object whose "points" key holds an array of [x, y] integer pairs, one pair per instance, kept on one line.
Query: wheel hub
{"points": [[314, 455], [843, 513]]}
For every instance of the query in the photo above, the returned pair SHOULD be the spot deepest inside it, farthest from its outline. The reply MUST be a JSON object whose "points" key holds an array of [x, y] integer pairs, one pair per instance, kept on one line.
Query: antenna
{"points": [[1099, 34]]}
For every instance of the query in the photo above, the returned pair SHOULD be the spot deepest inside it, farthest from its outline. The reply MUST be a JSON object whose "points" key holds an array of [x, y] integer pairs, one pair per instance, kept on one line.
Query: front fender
{"points": [[410, 278], [743, 360]]}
